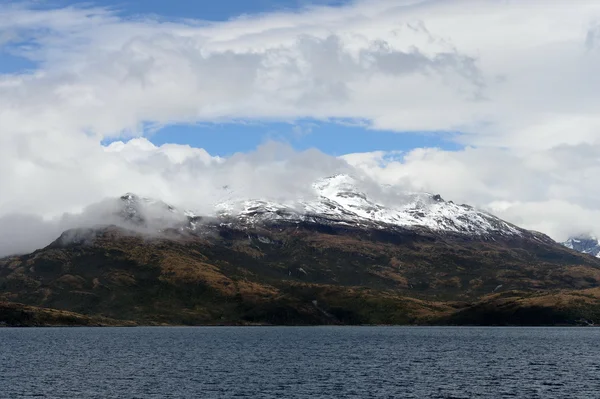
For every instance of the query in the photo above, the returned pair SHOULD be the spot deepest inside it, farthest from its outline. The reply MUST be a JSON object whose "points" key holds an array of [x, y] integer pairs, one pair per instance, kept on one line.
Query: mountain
{"points": [[339, 200], [335, 256], [586, 244], [336, 200]]}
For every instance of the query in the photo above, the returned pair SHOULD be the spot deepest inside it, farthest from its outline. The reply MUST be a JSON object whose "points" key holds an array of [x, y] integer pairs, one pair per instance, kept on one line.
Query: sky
{"points": [[491, 103]]}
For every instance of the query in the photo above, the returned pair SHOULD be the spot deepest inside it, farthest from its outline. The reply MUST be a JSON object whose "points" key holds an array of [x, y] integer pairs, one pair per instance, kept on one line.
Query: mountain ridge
{"points": [[337, 200], [162, 265]]}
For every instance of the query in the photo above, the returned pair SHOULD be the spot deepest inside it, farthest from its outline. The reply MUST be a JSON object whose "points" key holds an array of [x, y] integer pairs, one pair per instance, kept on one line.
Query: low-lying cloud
{"points": [[185, 177]]}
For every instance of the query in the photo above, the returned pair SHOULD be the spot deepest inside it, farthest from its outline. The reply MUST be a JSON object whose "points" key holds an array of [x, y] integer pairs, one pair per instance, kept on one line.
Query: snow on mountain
{"points": [[586, 244], [339, 200]]}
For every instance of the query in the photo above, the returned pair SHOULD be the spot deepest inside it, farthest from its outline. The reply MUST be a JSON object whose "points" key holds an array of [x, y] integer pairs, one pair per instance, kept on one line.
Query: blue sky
{"points": [[213, 10], [225, 139], [332, 138]]}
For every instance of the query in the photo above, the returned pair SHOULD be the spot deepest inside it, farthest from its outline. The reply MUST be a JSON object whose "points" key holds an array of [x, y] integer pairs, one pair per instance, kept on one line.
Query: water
{"points": [[296, 362]]}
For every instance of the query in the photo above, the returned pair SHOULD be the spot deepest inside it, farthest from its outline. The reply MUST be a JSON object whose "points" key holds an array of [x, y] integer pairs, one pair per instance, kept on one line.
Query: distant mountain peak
{"points": [[585, 243]]}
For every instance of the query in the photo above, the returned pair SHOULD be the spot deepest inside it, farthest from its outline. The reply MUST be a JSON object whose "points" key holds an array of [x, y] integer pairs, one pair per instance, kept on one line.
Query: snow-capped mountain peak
{"points": [[587, 244], [345, 200], [336, 200]]}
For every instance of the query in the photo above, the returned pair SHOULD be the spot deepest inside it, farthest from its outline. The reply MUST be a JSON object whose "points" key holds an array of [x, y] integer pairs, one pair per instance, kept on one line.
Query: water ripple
{"points": [[290, 362]]}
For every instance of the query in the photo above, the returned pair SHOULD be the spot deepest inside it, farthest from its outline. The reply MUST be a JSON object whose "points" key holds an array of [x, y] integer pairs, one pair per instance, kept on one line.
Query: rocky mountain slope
{"points": [[338, 257]]}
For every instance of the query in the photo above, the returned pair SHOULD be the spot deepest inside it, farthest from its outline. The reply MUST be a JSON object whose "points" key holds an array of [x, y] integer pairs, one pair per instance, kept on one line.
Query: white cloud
{"points": [[33, 214], [508, 73], [517, 78]]}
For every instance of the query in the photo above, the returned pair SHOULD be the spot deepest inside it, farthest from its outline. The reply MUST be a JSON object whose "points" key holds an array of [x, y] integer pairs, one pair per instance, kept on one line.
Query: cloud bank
{"points": [[514, 81]]}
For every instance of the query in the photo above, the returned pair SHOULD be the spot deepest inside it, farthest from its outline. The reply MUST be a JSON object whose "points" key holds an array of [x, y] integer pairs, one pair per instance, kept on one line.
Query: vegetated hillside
{"points": [[565, 307], [19, 315], [305, 273]]}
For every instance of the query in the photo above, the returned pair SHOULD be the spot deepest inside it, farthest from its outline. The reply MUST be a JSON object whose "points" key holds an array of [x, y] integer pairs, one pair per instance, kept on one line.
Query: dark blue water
{"points": [[320, 362]]}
